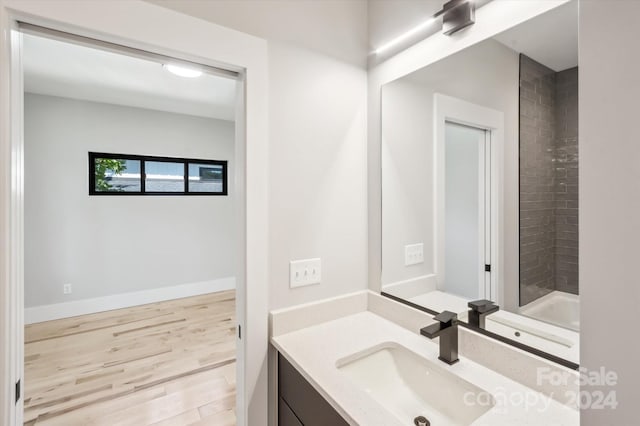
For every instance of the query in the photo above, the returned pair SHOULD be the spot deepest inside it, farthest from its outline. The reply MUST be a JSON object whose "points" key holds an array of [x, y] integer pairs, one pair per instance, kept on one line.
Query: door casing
{"points": [[454, 110]]}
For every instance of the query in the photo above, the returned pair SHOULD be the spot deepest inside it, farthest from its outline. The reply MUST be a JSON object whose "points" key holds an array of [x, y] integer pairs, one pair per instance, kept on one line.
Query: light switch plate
{"points": [[305, 272], [66, 289], [413, 254]]}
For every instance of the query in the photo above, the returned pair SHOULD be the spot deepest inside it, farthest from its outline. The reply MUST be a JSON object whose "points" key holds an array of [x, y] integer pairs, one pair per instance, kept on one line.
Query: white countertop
{"points": [[315, 350]]}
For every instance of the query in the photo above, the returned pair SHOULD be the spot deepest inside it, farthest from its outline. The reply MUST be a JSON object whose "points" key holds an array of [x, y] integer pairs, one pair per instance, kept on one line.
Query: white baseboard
{"points": [[125, 300]]}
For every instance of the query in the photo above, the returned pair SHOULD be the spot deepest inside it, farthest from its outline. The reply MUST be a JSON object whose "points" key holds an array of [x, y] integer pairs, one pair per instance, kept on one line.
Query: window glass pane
{"points": [[205, 177], [163, 176], [112, 175]]}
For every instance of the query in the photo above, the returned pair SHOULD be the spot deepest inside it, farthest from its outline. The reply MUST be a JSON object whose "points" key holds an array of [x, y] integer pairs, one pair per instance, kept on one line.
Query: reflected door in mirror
{"points": [[467, 243]]}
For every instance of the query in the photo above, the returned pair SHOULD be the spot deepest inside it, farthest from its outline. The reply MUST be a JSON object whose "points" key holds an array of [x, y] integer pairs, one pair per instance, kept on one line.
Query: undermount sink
{"points": [[409, 386]]}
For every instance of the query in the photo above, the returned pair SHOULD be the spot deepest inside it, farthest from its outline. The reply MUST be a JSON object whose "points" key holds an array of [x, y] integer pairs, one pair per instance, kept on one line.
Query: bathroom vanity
{"points": [[359, 360]]}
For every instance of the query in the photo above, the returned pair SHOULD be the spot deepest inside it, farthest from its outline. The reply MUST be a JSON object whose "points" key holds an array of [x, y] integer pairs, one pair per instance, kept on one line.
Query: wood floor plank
{"points": [[164, 363], [88, 415], [59, 328], [186, 418], [213, 408], [224, 418], [168, 406], [142, 372]]}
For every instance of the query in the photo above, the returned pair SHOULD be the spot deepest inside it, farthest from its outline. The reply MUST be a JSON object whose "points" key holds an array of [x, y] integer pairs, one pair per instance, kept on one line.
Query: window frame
{"points": [[144, 158]]}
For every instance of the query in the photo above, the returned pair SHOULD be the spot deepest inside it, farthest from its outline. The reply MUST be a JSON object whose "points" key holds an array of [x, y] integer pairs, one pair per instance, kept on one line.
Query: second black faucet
{"points": [[446, 328]]}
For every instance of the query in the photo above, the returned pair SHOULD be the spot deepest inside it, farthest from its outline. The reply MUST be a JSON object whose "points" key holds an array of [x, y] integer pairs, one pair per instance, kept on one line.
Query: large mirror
{"points": [[480, 186]]}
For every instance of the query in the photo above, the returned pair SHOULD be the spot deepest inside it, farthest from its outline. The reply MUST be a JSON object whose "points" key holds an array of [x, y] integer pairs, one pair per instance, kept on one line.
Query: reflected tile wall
{"points": [[548, 180]]}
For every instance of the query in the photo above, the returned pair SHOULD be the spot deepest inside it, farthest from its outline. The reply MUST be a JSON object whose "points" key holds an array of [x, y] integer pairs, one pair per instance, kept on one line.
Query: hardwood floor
{"points": [[168, 363]]}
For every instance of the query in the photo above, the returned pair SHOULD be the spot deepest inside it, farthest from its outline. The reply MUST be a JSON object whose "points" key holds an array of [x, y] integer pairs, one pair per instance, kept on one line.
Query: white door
{"points": [[467, 181]]}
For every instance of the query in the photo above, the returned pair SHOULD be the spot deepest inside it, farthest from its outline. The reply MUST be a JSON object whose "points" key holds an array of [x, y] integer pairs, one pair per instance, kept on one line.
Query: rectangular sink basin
{"points": [[409, 386]]}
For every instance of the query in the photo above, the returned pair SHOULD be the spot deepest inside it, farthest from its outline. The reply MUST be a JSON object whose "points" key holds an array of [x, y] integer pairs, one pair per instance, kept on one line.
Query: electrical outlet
{"points": [[413, 254], [304, 272], [66, 289]]}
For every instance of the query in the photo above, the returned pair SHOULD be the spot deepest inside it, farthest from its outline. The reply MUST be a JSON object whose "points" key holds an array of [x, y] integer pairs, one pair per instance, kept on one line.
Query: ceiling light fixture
{"points": [[182, 71], [456, 15]]}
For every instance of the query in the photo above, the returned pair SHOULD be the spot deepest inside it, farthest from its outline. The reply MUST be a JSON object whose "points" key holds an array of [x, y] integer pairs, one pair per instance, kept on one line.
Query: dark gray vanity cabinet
{"points": [[299, 404]]}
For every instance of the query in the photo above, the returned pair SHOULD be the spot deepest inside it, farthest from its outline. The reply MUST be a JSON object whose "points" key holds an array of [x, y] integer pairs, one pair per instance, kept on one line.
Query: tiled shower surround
{"points": [[548, 180]]}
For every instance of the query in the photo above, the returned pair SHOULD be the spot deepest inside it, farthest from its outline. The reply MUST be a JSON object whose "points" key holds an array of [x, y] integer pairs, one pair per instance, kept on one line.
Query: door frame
{"points": [[141, 25], [454, 110]]}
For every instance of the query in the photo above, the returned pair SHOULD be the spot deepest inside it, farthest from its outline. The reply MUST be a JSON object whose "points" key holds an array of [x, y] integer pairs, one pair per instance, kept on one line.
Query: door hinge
{"points": [[487, 268], [239, 331], [18, 390]]}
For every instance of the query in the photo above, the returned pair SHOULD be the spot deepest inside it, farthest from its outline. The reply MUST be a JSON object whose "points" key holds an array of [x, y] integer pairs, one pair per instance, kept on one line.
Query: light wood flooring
{"points": [[168, 363]]}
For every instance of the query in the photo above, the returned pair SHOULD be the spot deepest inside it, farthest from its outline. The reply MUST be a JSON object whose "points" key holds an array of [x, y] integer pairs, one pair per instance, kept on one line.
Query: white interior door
{"points": [[467, 167]]}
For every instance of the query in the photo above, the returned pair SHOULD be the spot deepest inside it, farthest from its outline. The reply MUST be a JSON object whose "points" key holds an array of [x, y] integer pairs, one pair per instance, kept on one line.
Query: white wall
{"points": [[333, 28], [390, 18], [112, 245], [317, 133], [407, 178], [317, 168], [610, 201], [407, 152]]}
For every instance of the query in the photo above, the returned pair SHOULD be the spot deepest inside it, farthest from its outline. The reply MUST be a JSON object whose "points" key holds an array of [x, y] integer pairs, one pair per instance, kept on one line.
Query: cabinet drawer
{"points": [[307, 405], [286, 417]]}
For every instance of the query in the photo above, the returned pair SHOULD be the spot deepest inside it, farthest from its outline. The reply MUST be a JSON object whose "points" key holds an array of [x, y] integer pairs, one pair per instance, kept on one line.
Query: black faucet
{"points": [[479, 310], [447, 329]]}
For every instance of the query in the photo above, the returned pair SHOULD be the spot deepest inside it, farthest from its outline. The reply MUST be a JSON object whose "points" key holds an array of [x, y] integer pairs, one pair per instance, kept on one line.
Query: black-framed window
{"points": [[123, 174]]}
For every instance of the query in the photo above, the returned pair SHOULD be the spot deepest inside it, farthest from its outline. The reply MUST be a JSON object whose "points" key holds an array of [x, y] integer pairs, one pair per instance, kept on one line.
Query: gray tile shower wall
{"points": [[548, 180]]}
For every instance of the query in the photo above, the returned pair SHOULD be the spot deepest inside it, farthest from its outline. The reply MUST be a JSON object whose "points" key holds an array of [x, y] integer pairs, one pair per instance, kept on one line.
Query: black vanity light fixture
{"points": [[456, 15]]}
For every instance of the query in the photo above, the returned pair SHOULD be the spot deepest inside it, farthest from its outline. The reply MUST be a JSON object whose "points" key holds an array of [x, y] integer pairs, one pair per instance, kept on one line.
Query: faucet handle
{"points": [[483, 306], [446, 317]]}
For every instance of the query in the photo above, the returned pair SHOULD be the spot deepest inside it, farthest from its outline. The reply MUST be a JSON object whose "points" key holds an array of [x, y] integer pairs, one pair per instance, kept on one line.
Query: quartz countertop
{"points": [[316, 349]]}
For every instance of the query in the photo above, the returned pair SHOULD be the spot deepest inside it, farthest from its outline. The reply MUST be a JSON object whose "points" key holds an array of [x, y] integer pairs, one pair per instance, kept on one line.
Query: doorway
{"points": [[130, 269], [192, 40]]}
